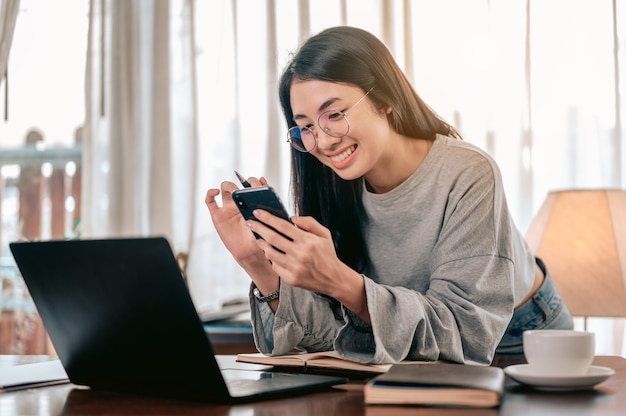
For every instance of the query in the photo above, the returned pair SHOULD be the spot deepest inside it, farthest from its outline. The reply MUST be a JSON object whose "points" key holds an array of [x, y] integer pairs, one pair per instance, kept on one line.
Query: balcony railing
{"points": [[39, 199]]}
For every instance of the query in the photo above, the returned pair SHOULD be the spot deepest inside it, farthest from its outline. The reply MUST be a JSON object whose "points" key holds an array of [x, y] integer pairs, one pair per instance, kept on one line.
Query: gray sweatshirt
{"points": [[447, 266]]}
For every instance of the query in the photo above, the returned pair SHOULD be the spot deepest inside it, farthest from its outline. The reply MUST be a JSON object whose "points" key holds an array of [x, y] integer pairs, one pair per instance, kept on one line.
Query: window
{"points": [[42, 103]]}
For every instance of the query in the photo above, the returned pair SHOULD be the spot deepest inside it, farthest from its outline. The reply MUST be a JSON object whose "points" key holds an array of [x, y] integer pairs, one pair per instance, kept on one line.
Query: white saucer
{"points": [[523, 374]]}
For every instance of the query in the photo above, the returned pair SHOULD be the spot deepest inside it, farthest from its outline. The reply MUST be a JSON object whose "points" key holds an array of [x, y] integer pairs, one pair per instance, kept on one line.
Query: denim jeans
{"points": [[545, 310]]}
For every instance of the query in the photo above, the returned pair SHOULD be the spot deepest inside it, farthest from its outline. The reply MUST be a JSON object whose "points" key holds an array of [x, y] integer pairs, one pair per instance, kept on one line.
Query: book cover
{"points": [[442, 384], [327, 360]]}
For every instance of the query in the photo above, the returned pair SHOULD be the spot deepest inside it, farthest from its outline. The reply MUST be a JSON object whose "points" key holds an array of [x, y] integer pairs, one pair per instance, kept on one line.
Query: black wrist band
{"points": [[260, 298]]}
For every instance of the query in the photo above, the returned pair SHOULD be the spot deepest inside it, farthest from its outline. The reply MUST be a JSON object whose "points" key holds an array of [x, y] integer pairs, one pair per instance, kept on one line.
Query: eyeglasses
{"points": [[334, 123]]}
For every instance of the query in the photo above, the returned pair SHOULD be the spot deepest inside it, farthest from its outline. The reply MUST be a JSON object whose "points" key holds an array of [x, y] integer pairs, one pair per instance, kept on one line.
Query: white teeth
{"points": [[342, 156]]}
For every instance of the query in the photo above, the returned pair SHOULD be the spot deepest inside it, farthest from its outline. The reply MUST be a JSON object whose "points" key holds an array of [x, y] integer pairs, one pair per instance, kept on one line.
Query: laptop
{"points": [[121, 319]]}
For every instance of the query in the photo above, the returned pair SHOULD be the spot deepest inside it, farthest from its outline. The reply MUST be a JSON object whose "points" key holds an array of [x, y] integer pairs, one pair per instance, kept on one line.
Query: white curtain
{"points": [[140, 137], [8, 18], [538, 84]]}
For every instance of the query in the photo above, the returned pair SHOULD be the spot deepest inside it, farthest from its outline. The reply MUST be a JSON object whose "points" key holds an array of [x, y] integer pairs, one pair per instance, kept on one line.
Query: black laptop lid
{"points": [[120, 316]]}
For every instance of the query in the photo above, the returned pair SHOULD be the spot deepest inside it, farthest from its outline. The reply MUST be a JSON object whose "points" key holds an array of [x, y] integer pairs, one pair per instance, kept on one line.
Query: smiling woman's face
{"points": [[359, 151]]}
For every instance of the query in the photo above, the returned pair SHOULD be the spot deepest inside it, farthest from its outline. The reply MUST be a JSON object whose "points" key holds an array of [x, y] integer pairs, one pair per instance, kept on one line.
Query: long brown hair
{"points": [[352, 56]]}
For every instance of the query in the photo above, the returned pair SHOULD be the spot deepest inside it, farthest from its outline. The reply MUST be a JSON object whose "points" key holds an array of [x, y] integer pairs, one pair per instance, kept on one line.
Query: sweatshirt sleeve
{"points": [[451, 321], [303, 320]]}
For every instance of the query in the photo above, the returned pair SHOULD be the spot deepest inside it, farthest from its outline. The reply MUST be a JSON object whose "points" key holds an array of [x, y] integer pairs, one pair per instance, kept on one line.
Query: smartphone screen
{"points": [[262, 197]]}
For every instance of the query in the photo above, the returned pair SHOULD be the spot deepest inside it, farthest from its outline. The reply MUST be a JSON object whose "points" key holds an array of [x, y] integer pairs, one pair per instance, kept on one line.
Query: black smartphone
{"points": [[261, 197]]}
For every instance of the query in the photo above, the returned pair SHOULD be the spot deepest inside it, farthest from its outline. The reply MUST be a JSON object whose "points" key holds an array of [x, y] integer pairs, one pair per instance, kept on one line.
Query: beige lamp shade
{"points": [[581, 236]]}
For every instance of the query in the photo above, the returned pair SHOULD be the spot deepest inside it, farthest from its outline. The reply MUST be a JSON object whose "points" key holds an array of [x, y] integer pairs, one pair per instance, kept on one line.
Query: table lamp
{"points": [[581, 236]]}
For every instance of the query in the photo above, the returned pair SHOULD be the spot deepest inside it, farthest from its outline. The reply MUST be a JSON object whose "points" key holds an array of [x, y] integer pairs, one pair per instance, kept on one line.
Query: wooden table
{"points": [[608, 398]]}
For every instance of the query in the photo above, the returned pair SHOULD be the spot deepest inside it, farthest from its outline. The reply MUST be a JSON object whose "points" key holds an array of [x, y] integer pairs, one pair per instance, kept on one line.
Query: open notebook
{"points": [[121, 318]]}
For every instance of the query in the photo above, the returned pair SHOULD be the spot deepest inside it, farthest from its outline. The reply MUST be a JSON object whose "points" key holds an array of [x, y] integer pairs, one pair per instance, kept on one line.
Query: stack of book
{"points": [[406, 383]]}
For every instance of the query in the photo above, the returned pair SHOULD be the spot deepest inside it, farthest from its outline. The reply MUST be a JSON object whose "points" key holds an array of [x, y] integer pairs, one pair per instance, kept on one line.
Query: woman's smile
{"points": [[338, 159]]}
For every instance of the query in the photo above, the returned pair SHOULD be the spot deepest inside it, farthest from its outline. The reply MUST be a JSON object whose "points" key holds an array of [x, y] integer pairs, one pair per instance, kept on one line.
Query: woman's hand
{"points": [[304, 256], [230, 225], [236, 236]]}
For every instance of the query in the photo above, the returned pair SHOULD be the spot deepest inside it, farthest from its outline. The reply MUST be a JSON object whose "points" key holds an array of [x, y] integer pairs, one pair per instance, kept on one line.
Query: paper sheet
{"points": [[32, 375]]}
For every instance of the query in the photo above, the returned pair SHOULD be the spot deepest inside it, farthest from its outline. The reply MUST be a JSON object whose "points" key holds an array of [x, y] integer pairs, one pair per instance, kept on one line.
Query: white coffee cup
{"points": [[559, 353]]}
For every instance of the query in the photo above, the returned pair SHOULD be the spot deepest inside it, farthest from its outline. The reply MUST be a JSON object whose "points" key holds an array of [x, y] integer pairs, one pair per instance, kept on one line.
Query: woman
{"points": [[403, 245]]}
